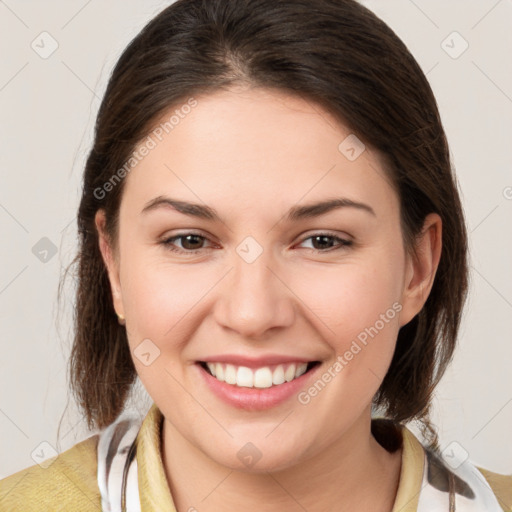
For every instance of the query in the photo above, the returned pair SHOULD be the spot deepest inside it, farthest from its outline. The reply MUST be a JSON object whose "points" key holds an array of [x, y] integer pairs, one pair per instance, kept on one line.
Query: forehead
{"points": [[255, 148]]}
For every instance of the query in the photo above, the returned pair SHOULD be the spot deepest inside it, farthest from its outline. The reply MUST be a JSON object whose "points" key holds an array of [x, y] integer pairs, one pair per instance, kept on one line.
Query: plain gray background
{"points": [[48, 106]]}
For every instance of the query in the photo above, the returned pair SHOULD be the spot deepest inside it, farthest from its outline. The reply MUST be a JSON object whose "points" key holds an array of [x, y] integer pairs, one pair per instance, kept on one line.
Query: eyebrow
{"points": [[294, 214]]}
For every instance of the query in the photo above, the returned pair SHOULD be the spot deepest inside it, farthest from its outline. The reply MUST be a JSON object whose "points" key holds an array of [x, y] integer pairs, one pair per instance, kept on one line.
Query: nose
{"points": [[254, 298]]}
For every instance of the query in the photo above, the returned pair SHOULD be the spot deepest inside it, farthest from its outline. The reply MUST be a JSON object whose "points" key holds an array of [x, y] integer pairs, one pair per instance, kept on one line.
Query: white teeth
{"points": [[219, 372], [211, 367], [230, 374], [244, 377], [289, 374], [278, 375], [260, 378], [301, 369]]}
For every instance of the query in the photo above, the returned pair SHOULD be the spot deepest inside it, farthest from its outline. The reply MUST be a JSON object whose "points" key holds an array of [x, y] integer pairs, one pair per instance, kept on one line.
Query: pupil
{"points": [[187, 239], [326, 239]]}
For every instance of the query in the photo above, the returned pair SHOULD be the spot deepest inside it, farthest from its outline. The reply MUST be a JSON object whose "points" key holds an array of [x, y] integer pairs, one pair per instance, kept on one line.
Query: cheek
{"points": [[161, 304], [158, 296], [347, 299], [356, 309]]}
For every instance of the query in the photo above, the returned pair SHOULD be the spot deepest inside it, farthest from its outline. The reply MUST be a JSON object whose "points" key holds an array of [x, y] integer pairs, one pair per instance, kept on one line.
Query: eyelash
{"points": [[168, 243]]}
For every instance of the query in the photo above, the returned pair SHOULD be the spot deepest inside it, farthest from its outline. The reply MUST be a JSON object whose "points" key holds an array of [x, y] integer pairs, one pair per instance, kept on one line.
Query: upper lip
{"points": [[255, 362]]}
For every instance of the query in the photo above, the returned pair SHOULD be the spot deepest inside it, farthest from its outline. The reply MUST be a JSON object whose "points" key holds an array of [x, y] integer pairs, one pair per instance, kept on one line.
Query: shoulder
{"points": [[501, 485], [488, 489], [67, 481]]}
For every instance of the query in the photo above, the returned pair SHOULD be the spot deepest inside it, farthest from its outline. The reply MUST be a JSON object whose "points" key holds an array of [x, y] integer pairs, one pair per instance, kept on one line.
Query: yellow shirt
{"points": [[69, 482]]}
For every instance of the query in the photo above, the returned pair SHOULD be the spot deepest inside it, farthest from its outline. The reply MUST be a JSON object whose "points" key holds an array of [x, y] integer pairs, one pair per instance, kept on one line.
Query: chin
{"points": [[254, 457]]}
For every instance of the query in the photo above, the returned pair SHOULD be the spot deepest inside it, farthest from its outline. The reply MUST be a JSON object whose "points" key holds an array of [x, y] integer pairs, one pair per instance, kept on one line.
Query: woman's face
{"points": [[266, 279]]}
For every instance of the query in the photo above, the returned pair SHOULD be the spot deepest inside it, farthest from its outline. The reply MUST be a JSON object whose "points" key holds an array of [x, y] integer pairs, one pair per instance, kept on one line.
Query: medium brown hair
{"points": [[335, 53]]}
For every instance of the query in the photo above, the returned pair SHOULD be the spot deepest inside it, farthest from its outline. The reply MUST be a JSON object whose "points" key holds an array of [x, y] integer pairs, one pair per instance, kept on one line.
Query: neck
{"points": [[353, 473]]}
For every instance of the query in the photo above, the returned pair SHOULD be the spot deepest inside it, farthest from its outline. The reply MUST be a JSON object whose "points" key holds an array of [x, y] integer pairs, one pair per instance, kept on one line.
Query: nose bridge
{"points": [[254, 299]]}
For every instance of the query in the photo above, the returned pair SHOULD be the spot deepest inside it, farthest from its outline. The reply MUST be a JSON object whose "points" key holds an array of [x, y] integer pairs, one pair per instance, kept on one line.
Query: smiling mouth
{"points": [[263, 377]]}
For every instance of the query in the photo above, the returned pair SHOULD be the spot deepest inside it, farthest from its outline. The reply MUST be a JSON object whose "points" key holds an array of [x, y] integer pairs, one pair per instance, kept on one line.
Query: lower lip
{"points": [[255, 399]]}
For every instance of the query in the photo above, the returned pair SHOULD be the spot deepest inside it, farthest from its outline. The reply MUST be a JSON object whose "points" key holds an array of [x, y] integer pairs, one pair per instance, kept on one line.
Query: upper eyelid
{"points": [[320, 232]]}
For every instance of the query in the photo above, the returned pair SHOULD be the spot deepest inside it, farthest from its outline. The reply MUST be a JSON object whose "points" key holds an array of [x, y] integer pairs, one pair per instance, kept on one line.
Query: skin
{"points": [[252, 154]]}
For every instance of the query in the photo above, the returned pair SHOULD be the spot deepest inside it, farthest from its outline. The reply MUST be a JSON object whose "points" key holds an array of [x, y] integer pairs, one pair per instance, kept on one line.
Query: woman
{"points": [[272, 241]]}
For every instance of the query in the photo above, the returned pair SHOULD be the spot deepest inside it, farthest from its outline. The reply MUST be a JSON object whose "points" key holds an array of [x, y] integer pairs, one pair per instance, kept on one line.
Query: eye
{"points": [[324, 242], [190, 243]]}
